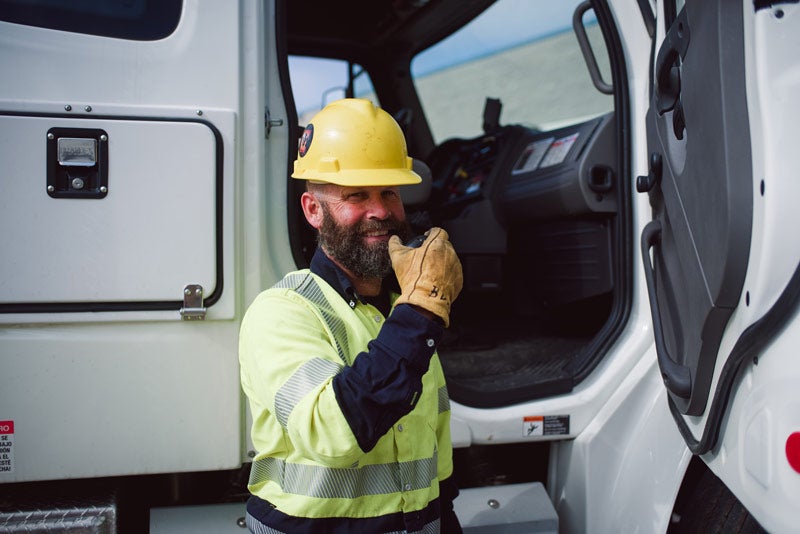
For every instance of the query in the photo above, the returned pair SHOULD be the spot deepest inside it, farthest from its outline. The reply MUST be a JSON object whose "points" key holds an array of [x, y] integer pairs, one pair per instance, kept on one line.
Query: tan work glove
{"points": [[430, 276]]}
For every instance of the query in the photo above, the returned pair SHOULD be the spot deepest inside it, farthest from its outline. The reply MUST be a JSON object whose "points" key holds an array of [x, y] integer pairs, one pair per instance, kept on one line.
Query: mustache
{"points": [[391, 225]]}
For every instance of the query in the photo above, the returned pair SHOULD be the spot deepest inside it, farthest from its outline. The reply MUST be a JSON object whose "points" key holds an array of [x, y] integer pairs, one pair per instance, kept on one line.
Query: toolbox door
{"points": [[108, 214]]}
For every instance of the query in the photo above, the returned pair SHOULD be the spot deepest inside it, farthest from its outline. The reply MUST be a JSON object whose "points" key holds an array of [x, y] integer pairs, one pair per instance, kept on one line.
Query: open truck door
{"points": [[721, 280]]}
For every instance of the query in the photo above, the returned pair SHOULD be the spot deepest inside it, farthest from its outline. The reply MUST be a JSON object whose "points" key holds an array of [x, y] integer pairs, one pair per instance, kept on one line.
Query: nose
{"points": [[378, 208]]}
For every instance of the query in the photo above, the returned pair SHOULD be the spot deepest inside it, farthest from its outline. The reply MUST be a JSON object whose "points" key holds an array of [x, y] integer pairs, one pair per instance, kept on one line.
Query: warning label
{"points": [[545, 425], [558, 151], [532, 156], [6, 447]]}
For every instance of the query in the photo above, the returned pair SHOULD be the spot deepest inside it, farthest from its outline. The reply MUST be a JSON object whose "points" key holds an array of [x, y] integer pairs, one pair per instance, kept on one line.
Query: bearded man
{"points": [[351, 418]]}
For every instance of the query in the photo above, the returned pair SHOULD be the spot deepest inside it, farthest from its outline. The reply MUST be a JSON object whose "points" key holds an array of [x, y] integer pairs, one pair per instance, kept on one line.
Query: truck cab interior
{"points": [[535, 204]]}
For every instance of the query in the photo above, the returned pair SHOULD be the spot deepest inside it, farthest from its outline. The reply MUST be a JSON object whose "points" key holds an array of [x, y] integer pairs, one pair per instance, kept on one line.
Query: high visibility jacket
{"points": [[295, 338]]}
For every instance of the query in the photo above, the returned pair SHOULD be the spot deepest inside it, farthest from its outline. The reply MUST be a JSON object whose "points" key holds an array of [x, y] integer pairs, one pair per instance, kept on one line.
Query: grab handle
{"points": [[677, 378], [586, 50]]}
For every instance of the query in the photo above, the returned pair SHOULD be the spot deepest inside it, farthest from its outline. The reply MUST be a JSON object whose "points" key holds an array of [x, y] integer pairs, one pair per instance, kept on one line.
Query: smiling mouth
{"points": [[378, 231], [376, 238]]}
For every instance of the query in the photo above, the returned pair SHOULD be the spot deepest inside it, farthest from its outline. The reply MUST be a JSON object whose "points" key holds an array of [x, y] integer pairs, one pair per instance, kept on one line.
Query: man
{"points": [[351, 419]]}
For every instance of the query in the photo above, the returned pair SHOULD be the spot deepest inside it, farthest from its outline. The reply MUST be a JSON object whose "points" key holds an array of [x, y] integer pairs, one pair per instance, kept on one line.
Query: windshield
{"points": [[522, 52]]}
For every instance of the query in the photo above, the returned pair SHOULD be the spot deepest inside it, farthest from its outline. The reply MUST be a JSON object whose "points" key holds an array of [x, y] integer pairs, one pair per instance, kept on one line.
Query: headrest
{"points": [[417, 194]]}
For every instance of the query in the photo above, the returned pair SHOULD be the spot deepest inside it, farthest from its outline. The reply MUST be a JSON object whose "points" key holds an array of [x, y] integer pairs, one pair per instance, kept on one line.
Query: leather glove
{"points": [[430, 276]]}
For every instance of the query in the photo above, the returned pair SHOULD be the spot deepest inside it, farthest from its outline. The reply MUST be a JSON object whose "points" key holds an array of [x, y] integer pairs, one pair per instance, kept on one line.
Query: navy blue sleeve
{"points": [[385, 382], [448, 491]]}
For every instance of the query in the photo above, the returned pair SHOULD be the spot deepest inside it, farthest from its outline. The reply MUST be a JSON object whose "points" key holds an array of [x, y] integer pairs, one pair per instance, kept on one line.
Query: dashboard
{"points": [[529, 211], [527, 174]]}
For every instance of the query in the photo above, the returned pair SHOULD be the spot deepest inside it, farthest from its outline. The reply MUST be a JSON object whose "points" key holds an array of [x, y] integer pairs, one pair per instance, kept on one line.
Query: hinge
{"points": [[765, 4], [269, 122], [193, 309]]}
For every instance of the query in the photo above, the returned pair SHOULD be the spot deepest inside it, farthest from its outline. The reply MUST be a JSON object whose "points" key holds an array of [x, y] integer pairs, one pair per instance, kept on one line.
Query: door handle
{"points": [[677, 378], [77, 163], [668, 76], [644, 184]]}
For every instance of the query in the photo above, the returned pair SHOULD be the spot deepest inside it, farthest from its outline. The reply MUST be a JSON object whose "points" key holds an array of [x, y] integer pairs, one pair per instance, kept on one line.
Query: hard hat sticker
{"points": [[305, 140]]}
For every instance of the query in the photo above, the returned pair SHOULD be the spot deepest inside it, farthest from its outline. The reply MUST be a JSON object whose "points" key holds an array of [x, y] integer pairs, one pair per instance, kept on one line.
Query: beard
{"points": [[345, 244]]}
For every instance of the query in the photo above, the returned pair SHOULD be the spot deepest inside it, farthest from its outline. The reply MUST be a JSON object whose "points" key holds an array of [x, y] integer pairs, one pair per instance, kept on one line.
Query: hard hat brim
{"points": [[362, 177]]}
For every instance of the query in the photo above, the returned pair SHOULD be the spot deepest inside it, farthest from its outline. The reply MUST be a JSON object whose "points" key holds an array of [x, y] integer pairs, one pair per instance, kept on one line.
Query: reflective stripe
{"points": [[444, 400], [257, 527], [317, 371], [291, 281], [310, 375], [305, 286], [345, 483]]}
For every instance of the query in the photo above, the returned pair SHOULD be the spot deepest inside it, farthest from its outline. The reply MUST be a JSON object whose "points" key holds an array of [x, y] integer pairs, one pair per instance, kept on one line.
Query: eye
{"points": [[358, 196], [390, 194]]}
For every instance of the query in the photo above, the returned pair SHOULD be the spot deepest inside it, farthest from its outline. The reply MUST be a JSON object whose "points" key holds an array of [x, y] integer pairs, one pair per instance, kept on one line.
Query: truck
{"points": [[617, 177]]}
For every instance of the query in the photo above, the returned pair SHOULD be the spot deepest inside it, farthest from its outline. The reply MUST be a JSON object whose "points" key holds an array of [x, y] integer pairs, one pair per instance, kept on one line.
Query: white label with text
{"points": [[6, 447]]}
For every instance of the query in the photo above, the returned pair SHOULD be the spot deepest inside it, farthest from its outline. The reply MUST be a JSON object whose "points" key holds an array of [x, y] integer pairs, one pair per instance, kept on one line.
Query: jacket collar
{"points": [[325, 268]]}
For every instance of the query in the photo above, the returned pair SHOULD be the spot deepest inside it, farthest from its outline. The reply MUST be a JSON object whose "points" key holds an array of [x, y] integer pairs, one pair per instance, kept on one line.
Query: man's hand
{"points": [[430, 276]]}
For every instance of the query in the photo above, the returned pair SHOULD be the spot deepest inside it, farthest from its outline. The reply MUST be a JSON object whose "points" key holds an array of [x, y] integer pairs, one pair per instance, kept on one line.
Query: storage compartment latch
{"points": [[193, 309], [77, 163]]}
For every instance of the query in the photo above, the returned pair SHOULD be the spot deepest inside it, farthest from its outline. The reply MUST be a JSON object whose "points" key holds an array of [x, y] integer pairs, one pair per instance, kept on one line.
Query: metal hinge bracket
{"points": [[269, 123], [193, 309]]}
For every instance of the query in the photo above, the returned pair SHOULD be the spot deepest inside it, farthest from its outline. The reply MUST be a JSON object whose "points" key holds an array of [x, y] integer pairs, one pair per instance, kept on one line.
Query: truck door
{"points": [[719, 291], [700, 183]]}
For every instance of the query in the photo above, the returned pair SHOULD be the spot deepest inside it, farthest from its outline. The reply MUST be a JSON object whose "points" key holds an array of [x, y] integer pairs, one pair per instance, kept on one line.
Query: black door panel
{"points": [[701, 193]]}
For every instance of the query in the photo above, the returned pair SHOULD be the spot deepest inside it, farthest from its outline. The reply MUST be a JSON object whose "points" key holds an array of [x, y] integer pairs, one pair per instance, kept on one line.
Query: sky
{"points": [[506, 24]]}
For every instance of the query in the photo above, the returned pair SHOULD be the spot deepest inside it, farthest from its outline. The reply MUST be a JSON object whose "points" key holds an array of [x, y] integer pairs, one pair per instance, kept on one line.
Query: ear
{"points": [[311, 209]]}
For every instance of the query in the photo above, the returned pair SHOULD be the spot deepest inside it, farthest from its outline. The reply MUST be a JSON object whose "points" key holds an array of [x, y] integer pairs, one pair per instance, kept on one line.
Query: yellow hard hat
{"points": [[352, 142]]}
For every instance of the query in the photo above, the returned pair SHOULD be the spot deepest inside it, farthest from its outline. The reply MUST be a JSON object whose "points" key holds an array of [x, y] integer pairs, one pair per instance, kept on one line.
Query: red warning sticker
{"points": [[6, 447], [545, 425]]}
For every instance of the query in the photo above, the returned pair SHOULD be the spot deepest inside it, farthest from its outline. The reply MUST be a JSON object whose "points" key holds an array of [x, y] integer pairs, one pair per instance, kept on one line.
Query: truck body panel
{"points": [[147, 201]]}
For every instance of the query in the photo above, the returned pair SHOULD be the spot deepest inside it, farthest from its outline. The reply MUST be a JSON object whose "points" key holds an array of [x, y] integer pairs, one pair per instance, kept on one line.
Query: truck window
{"points": [[319, 81], [523, 52], [139, 20]]}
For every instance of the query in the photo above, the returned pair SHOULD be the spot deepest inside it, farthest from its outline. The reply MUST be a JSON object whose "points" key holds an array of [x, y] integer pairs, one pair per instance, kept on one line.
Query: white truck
{"points": [[623, 357]]}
